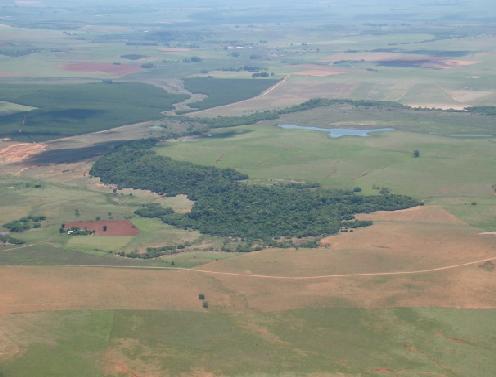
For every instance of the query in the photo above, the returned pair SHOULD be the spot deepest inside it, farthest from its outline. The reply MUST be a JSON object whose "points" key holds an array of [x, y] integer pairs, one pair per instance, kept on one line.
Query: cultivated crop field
{"points": [[156, 219], [80, 108], [224, 91]]}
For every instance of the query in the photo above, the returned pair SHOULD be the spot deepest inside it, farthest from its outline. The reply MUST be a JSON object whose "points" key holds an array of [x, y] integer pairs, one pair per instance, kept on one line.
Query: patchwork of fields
{"points": [[191, 269]]}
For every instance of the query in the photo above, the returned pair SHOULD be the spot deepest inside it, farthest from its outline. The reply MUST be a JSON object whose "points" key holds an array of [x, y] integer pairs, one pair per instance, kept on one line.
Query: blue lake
{"points": [[337, 132]]}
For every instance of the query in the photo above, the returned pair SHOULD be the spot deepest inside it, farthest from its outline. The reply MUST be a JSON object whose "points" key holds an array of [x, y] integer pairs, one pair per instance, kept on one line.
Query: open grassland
{"points": [[431, 122], [64, 110], [452, 171], [412, 295], [306, 342], [83, 200]]}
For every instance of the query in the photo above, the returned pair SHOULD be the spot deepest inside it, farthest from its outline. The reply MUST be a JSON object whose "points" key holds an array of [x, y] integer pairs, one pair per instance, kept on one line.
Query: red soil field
{"points": [[20, 152], [113, 227], [116, 69]]}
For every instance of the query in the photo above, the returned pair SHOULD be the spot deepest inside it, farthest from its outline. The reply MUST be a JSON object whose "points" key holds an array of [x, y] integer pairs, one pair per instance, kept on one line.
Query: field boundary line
{"points": [[16, 248], [274, 277], [275, 86]]}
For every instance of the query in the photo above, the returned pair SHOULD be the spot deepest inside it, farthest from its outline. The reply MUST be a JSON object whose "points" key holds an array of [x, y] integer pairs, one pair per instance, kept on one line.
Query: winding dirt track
{"points": [[259, 276], [279, 277]]}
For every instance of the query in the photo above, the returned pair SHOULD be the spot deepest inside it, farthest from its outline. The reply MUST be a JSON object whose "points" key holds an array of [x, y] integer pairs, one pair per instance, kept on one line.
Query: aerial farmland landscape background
{"points": [[217, 188]]}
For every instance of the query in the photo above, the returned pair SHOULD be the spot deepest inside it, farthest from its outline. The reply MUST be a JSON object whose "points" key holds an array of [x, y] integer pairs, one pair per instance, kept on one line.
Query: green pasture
{"points": [[344, 341], [62, 203], [456, 168]]}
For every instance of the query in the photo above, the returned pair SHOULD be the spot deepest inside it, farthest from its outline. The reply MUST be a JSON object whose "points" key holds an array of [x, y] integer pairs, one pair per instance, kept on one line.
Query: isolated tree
{"points": [[201, 296], [416, 153]]}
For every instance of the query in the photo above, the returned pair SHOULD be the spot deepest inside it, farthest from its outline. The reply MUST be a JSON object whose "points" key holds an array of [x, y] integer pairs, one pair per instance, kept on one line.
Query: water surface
{"points": [[337, 132]]}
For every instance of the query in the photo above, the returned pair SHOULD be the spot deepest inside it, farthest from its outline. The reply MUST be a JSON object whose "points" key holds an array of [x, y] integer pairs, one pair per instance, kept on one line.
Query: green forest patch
{"points": [[226, 206]]}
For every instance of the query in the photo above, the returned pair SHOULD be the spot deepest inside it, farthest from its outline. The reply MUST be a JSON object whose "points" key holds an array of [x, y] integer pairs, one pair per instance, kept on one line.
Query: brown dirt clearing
{"points": [[19, 152]]}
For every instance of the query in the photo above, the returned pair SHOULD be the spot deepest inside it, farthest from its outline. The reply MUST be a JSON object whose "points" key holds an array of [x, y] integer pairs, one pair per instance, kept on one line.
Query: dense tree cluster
{"points": [[9, 240], [24, 224], [225, 205]]}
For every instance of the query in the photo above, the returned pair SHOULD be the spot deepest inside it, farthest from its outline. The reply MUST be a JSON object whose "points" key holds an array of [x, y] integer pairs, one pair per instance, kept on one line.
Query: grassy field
{"points": [[344, 342], [62, 203], [456, 168], [64, 110]]}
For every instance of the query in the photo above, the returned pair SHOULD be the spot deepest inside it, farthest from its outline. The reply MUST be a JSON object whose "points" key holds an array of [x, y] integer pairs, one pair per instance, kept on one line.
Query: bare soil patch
{"points": [[20, 152], [110, 68]]}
